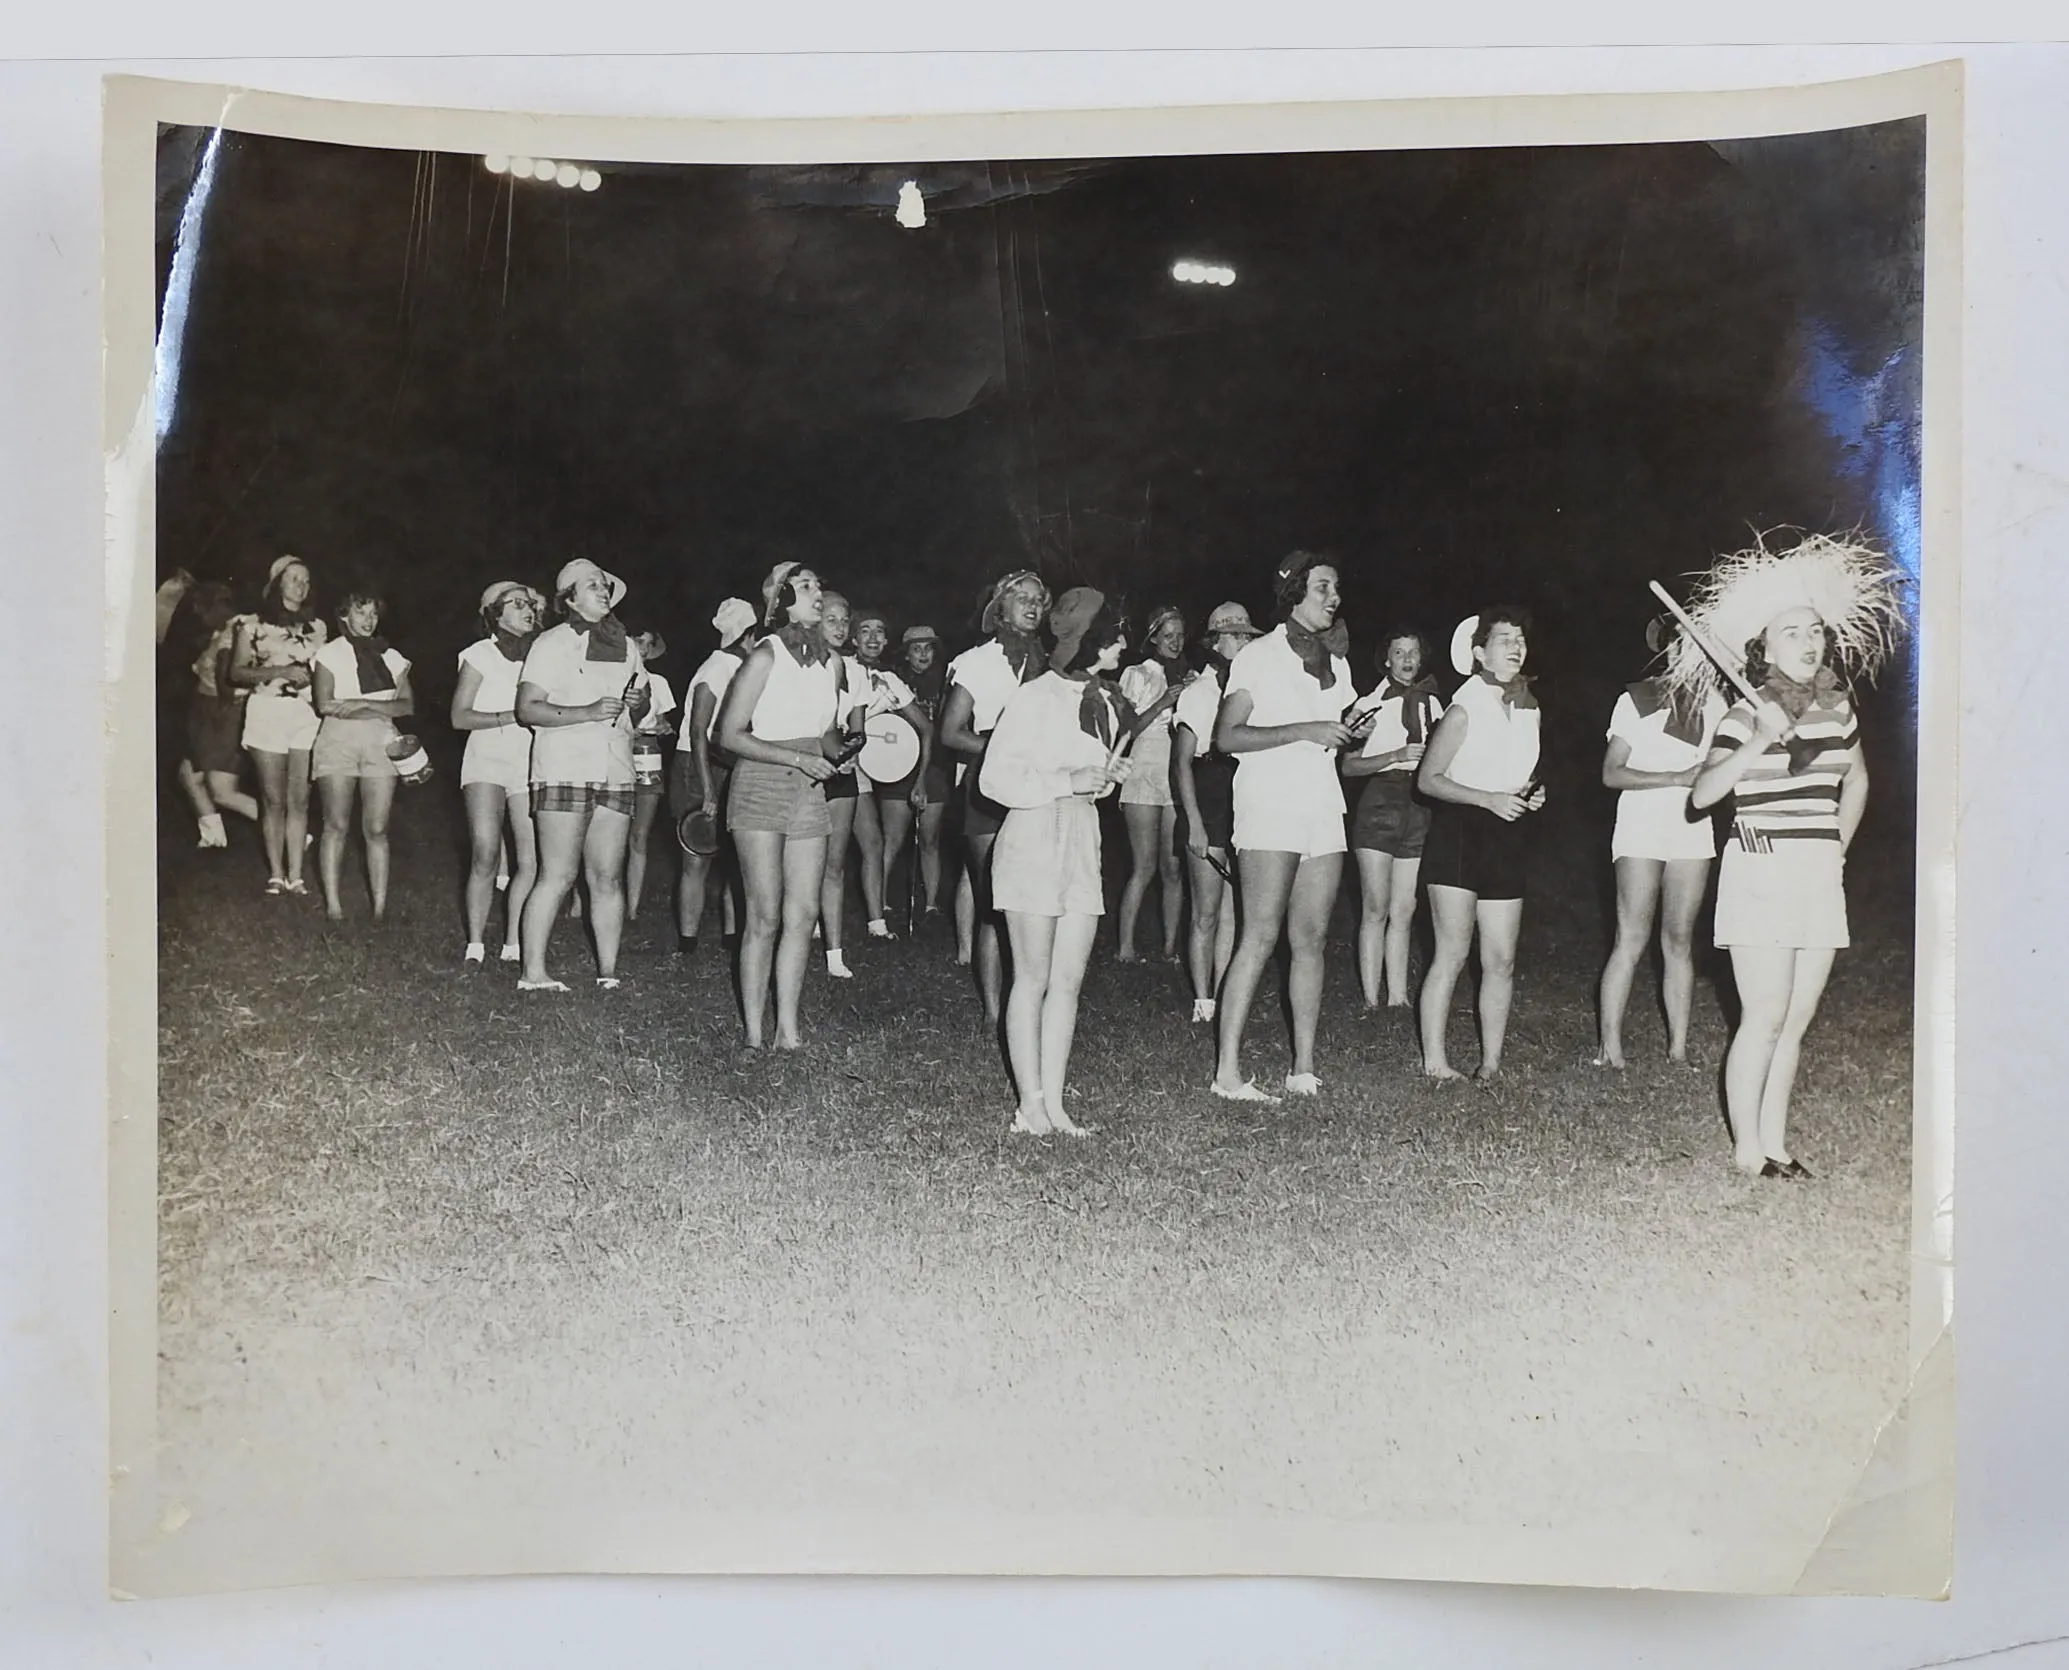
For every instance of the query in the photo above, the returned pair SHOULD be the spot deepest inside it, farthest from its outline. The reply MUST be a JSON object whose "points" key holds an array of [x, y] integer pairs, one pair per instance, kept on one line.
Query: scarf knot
{"points": [[606, 637], [1684, 716], [805, 643], [1516, 695], [1099, 715], [1416, 701], [1318, 650], [372, 656], [1024, 653]]}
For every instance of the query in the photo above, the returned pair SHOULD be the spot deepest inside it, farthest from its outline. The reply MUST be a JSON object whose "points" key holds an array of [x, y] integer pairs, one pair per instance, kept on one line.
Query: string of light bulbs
{"points": [[572, 175]]}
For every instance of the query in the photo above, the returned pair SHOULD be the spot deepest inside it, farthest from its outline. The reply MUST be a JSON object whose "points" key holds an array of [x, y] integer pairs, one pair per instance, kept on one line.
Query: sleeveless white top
{"points": [[798, 700], [1499, 754]]}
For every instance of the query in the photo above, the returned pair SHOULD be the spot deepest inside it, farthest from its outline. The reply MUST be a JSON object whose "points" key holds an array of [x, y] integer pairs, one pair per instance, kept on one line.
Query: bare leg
{"points": [[1171, 879], [1203, 941], [338, 793], [833, 884], [1637, 899], [561, 838], [295, 831], [691, 885], [929, 822], [1141, 822], [272, 771], [965, 915], [229, 796], [376, 802], [1033, 940], [524, 847], [1765, 977], [603, 869], [1267, 883], [1375, 879], [644, 805], [1452, 916], [1806, 987], [895, 812], [1681, 903], [484, 802], [804, 863], [990, 975], [1501, 924], [196, 790], [761, 873], [869, 841], [1069, 952], [1308, 906], [1400, 925]]}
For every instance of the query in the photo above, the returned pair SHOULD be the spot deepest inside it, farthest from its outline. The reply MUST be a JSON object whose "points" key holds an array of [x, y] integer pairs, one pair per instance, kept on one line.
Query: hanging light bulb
{"points": [[912, 207], [520, 168], [591, 179], [496, 164], [567, 174], [544, 168]]}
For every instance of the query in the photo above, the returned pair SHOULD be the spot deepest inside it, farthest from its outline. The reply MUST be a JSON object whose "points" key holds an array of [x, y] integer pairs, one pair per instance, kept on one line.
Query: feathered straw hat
{"points": [[1851, 585]]}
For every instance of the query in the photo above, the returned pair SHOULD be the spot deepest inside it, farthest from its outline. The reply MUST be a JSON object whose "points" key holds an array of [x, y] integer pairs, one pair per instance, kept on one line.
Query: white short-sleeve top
{"points": [[597, 750], [337, 659], [1199, 704], [1645, 735], [714, 675], [989, 677], [660, 702], [497, 691], [1499, 754], [1390, 726], [1283, 692]]}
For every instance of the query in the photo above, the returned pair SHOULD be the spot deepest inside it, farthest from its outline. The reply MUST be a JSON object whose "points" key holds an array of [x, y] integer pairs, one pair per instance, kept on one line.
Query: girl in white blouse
{"points": [[495, 770], [1053, 754], [361, 687], [1481, 769]]}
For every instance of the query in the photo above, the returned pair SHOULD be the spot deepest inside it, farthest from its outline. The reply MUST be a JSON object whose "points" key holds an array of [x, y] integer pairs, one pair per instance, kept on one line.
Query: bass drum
{"points": [[892, 748]]}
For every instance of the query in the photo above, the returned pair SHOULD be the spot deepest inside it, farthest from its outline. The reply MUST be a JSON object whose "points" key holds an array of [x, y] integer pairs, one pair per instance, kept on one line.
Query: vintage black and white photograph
{"points": [[1199, 858]]}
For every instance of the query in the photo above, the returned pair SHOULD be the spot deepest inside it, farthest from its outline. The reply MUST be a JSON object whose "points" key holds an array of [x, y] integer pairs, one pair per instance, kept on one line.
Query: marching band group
{"points": [[798, 739]]}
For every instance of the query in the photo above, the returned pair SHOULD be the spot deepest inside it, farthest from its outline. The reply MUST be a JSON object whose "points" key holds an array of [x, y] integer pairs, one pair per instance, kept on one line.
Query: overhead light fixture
{"points": [[912, 207], [1203, 272], [570, 175], [496, 164], [590, 179]]}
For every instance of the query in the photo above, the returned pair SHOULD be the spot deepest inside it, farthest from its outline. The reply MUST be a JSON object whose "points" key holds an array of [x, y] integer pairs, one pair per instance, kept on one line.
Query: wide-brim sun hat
{"points": [[1232, 617], [581, 569], [989, 620], [1462, 644]]}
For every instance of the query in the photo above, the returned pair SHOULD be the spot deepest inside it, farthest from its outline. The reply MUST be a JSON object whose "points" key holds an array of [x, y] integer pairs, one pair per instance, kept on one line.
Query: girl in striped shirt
{"points": [[1792, 763]]}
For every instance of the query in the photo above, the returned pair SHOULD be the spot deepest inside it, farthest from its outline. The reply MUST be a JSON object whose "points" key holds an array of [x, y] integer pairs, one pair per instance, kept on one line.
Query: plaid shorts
{"points": [[582, 797]]}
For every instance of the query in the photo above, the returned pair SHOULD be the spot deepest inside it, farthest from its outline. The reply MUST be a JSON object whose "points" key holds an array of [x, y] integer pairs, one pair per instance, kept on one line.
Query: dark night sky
{"points": [[1546, 374]]}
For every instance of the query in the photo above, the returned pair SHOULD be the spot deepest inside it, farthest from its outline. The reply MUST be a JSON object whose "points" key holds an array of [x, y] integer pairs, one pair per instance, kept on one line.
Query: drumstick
{"points": [[1707, 644]]}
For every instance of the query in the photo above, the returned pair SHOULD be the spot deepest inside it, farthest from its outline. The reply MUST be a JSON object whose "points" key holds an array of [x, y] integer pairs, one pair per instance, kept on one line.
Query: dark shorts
{"points": [[982, 815], [938, 786], [1214, 781], [215, 733], [1475, 850], [686, 785], [841, 786], [582, 797], [1390, 817]]}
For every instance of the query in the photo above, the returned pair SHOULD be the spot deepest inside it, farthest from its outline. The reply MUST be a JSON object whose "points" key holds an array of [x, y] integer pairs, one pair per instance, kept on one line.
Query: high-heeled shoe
{"points": [[1798, 1170]]}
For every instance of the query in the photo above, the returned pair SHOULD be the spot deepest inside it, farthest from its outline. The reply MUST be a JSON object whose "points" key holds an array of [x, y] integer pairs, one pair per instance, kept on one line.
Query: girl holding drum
{"points": [[495, 769], [850, 810], [902, 798], [778, 722], [926, 676]]}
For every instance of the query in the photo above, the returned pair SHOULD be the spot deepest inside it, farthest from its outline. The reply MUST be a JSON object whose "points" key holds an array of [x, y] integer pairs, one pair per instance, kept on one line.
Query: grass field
{"points": [[426, 1241]]}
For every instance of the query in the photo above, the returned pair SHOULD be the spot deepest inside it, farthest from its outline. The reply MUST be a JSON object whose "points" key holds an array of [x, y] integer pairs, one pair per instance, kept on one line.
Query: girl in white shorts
{"points": [[1052, 757], [1662, 849], [1282, 718], [270, 656], [495, 770]]}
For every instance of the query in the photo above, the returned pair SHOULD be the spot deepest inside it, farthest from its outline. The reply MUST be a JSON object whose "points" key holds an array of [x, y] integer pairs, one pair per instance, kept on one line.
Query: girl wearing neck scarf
{"points": [[980, 682], [697, 777], [1391, 824], [581, 692], [270, 656], [1203, 789], [647, 794], [495, 770], [925, 674], [361, 688], [850, 812], [1811, 618], [1661, 849], [899, 803], [782, 723], [1282, 717], [1055, 752], [1480, 766], [1151, 687]]}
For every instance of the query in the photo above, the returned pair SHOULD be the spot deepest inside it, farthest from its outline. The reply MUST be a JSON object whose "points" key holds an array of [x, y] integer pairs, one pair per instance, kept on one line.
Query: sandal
{"points": [[608, 982], [1303, 1084], [542, 985], [1247, 1091], [275, 887]]}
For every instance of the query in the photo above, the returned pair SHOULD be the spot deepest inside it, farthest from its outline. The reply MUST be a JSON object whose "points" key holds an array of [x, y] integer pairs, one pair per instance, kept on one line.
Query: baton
{"points": [[1707, 644]]}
